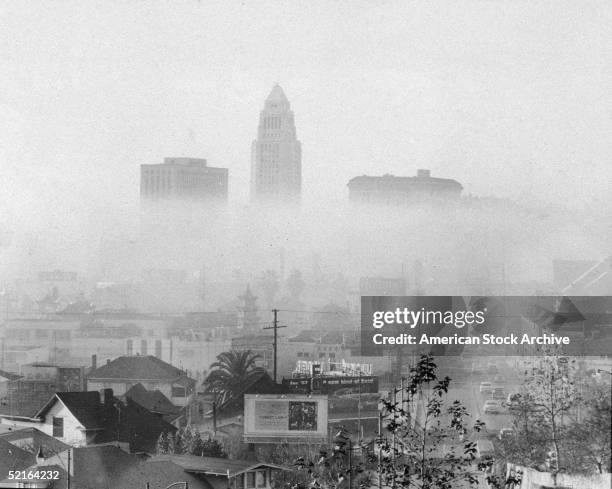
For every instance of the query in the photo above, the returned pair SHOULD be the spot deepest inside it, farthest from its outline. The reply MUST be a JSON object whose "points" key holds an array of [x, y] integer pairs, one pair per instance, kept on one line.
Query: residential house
{"points": [[155, 402], [32, 440], [124, 372], [108, 466], [91, 418], [103, 467], [221, 472]]}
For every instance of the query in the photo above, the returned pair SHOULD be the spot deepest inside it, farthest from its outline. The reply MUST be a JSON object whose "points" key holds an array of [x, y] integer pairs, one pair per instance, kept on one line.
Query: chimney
{"points": [[107, 361], [94, 362], [40, 458], [106, 396], [423, 173]]}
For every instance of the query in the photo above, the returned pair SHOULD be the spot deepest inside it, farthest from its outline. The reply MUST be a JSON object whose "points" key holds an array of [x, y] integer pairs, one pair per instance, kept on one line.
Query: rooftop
{"points": [[213, 466], [154, 401], [31, 439], [8, 375], [185, 161], [102, 467], [13, 458], [422, 177], [141, 367]]}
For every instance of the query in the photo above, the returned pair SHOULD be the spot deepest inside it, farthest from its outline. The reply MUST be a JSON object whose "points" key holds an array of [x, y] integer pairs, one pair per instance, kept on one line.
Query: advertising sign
{"points": [[289, 418], [363, 384]]}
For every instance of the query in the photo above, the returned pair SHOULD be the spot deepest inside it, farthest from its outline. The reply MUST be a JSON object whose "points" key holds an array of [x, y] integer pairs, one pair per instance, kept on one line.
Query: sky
{"points": [[511, 98]]}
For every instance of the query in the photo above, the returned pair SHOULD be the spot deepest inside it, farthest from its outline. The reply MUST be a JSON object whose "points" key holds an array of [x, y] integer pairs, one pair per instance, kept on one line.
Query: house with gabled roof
{"points": [[105, 467], [91, 418], [225, 473], [124, 372], [32, 440], [156, 403]]}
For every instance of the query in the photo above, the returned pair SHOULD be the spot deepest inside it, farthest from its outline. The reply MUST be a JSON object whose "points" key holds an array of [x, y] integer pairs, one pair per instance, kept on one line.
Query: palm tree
{"points": [[232, 373]]}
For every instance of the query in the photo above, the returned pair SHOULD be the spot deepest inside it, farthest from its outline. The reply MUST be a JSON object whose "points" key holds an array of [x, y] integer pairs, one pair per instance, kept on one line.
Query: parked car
{"points": [[505, 433], [486, 387], [498, 392], [484, 449], [492, 369], [513, 401], [492, 406], [499, 379]]}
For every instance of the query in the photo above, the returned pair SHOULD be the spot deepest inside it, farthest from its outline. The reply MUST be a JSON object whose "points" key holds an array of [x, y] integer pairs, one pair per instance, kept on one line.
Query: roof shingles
{"points": [[145, 367]]}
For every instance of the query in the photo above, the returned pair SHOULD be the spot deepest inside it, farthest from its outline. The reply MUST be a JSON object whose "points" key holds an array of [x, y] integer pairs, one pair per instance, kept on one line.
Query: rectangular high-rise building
{"points": [[392, 190], [183, 179], [276, 161]]}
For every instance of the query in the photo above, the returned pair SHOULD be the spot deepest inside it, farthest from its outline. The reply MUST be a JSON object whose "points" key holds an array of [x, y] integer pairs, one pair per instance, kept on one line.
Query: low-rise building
{"points": [[221, 472], [124, 372], [91, 418]]}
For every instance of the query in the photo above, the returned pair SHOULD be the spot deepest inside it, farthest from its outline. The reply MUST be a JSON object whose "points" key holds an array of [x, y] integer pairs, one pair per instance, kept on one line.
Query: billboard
{"points": [[340, 384], [271, 418]]}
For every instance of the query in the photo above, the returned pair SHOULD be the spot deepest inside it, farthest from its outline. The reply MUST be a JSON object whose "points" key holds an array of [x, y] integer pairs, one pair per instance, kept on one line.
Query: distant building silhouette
{"points": [[276, 160], [392, 190], [183, 179]]}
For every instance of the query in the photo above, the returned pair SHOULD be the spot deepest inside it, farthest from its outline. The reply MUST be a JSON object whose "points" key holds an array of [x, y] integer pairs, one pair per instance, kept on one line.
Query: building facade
{"points": [[276, 160], [183, 179], [392, 190], [124, 372]]}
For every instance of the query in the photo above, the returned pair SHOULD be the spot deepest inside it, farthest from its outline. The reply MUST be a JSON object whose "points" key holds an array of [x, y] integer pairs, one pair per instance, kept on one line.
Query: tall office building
{"points": [[276, 160]]}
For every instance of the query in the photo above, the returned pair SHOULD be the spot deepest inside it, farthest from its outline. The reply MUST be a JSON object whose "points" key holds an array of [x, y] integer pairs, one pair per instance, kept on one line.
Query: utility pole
{"points": [[214, 413], [380, 443], [275, 327], [350, 463], [68, 472]]}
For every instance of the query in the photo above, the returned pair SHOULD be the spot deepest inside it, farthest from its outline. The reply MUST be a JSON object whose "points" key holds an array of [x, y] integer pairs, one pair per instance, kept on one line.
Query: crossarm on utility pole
{"points": [[275, 327]]}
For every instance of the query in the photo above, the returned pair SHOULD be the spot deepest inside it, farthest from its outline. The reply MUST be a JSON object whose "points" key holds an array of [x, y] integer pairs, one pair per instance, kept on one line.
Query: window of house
{"points": [[58, 427], [178, 391]]}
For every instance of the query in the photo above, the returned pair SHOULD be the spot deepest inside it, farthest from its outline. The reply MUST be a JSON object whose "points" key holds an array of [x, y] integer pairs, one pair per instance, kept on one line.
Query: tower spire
{"points": [[276, 159]]}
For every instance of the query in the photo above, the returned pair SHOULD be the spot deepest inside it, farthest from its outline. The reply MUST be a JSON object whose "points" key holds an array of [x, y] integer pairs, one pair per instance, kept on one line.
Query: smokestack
{"points": [[94, 362]]}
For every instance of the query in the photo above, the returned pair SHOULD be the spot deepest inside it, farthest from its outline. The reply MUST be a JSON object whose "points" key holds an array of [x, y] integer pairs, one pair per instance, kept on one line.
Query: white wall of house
{"points": [[73, 433]]}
